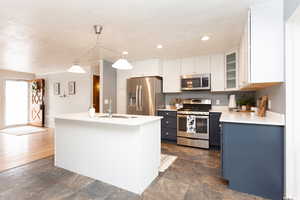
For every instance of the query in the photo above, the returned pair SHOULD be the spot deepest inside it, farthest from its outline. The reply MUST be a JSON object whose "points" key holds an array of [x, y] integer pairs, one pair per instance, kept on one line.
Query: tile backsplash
{"points": [[223, 97]]}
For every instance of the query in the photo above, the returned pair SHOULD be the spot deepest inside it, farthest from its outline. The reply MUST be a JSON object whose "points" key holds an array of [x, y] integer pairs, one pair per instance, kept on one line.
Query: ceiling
{"points": [[47, 36]]}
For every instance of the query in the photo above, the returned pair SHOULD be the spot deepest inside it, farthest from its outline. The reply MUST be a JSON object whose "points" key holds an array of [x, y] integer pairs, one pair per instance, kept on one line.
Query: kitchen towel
{"points": [[191, 124]]}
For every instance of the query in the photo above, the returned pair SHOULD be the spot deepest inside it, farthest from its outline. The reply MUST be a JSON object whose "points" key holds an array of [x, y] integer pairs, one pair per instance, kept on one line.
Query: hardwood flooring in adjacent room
{"points": [[19, 150], [193, 176]]}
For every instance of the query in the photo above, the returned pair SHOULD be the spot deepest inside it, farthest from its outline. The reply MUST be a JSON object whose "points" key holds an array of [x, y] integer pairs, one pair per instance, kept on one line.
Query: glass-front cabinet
{"points": [[231, 72]]}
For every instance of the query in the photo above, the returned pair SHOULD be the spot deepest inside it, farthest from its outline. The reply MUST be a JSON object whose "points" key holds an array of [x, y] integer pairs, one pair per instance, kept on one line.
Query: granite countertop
{"points": [[119, 119]]}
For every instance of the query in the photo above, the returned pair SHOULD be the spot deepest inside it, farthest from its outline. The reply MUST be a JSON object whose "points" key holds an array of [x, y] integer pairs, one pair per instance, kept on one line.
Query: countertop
{"points": [[271, 118], [136, 120]]}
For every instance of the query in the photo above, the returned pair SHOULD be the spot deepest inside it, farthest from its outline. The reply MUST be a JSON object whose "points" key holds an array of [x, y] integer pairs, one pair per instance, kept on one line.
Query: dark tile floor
{"points": [[193, 176]]}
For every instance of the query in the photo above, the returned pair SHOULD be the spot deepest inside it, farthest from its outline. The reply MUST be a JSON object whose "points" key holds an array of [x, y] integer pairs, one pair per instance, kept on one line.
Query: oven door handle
{"points": [[202, 117], [196, 116]]}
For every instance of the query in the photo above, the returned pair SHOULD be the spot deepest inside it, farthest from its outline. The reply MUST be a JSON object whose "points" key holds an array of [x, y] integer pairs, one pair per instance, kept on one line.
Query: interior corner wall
{"points": [[277, 96], [57, 104], [5, 75], [108, 86]]}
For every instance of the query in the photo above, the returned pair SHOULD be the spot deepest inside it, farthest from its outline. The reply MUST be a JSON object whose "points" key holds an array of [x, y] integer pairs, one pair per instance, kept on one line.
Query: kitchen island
{"points": [[122, 150]]}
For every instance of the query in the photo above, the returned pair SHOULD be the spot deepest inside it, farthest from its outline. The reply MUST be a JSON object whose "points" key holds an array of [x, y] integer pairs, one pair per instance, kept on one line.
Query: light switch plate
{"points": [[105, 101], [218, 102], [269, 104]]}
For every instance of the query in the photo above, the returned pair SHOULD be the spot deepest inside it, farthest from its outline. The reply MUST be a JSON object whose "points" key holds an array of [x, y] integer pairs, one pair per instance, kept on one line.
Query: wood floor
{"points": [[19, 150], [195, 175]]}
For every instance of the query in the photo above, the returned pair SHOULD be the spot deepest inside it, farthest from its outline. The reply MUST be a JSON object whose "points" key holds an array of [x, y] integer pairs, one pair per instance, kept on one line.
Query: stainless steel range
{"points": [[193, 123]]}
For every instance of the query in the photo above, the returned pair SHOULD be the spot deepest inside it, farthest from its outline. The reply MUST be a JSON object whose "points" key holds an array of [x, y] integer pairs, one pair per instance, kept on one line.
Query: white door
{"points": [[16, 102]]}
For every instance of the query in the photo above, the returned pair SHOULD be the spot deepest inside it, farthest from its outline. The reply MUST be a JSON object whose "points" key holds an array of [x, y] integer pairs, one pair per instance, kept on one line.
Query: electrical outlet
{"points": [[218, 102], [269, 104], [106, 101]]}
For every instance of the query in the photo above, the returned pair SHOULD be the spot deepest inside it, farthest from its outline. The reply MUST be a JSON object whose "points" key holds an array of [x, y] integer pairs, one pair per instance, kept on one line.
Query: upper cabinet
{"points": [[171, 71], [195, 65], [262, 46], [231, 70], [188, 66], [202, 64], [217, 67], [151, 67]]}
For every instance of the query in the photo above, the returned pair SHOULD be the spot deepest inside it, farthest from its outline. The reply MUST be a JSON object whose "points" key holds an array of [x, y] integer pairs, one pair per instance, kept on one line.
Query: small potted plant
{"points": [[246, 103]]}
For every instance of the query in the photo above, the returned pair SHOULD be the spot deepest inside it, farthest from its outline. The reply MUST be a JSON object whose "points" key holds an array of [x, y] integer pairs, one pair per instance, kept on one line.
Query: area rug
{"points": [[22, 130], [166, 161]]}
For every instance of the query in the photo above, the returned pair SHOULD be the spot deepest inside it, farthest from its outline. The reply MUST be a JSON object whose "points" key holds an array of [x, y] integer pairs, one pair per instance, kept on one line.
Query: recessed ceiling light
{"points": [[205, 38], [125, 52], [159, 46]]}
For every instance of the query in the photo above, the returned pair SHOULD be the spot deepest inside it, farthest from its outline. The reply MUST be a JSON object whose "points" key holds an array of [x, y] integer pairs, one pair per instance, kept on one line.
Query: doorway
{"points": [[16, 102], [96, 93]]}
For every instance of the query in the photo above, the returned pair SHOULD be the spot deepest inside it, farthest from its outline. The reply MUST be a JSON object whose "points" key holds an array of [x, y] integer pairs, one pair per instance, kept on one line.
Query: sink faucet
{"points": [[110, 108]]}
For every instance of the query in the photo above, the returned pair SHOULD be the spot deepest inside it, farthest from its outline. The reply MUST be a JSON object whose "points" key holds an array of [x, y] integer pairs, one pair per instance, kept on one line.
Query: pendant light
{"points": [[75, 68], [121, 63]]}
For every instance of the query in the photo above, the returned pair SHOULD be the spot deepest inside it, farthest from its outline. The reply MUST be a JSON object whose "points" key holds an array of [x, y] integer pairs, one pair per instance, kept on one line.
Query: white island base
{"points": [[121, 152]]}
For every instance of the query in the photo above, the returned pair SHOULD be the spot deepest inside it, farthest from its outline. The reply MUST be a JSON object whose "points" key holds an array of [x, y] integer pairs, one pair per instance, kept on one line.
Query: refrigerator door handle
{"points": [[140, 99], [137, 98]]}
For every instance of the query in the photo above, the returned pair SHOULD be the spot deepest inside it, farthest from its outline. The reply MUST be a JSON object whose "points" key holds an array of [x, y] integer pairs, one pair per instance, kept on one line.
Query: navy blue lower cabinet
{"points": [[214, 130], [168, 125], [252, 158]]}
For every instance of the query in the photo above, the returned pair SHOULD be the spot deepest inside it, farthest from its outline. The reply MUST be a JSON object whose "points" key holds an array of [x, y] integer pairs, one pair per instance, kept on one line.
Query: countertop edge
{"points": [[252, 122], [272, 118], [91, 120]]}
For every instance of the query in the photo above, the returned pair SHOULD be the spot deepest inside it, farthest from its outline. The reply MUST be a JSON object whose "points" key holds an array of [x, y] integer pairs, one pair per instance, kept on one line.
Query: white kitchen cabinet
{"points": [[171, 76], [217, 68], [195, 65], [149, 67], [231, 70], [138, 69], [188, 66], [262, 46], [244, 59], [202, 65]]}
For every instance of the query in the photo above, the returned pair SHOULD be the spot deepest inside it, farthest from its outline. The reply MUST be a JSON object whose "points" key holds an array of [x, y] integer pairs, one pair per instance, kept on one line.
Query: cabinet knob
{"points": [[167, 133], [167, 122], [167, 113]]}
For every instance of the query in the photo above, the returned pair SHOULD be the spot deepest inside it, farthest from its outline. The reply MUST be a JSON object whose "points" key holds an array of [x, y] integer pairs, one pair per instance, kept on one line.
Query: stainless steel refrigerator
{"points": [[144, 95]]}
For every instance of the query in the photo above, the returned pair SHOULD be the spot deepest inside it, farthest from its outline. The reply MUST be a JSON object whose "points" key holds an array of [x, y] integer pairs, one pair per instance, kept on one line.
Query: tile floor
{"points": [[193, 176]]}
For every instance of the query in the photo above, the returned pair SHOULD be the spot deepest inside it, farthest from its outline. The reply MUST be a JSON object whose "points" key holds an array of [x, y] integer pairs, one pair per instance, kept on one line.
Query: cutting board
{"points": [[262, 107]]}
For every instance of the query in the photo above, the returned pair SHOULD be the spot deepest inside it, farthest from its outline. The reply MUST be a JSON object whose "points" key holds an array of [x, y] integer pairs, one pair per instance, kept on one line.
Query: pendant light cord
{"points": [[94, 47]]}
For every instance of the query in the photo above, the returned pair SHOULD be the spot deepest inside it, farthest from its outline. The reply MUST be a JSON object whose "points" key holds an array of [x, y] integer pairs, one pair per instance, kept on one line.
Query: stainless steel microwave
{"points": [[195, 82]]}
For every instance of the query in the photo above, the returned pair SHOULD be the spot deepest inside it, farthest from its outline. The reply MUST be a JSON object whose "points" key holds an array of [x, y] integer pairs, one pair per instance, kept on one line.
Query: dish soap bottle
{"points": [[92, 112]]}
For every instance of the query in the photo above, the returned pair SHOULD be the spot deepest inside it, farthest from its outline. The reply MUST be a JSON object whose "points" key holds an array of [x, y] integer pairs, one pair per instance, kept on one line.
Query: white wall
{"points": [[277, 96], [292, 136], [108, 86], [4, 75], [80, 102]]}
